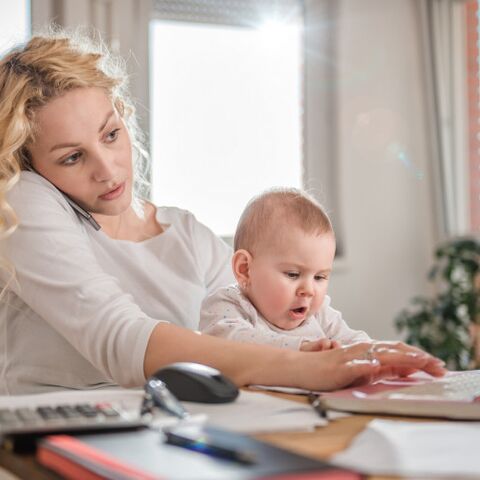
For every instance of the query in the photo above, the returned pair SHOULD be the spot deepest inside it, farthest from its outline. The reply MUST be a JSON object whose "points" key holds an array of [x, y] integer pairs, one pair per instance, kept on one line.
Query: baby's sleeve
{"points": [[336, 328], [224, 315]]}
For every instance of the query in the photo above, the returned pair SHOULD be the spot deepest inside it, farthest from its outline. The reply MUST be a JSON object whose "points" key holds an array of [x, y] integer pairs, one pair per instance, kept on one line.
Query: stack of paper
{"points": [[413, 449]]}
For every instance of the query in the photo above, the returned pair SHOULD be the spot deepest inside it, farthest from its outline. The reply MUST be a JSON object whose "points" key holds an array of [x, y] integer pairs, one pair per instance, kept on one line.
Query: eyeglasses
{"points": [[158, 395]]}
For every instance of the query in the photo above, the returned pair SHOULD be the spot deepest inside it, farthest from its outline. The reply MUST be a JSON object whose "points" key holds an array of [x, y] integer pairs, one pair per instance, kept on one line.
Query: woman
{"points": [[101, 289]]}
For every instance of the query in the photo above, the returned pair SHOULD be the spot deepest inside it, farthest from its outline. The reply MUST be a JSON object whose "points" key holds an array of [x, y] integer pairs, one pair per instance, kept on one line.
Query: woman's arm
{"points": [[249, 364]]}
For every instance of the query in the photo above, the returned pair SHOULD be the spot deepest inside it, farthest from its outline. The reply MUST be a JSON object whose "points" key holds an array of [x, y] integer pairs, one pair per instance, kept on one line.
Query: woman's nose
{"points": [[104, 167]]}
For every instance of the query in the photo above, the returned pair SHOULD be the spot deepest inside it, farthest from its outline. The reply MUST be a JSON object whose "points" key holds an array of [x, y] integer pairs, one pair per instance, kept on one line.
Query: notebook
{"points": [[144, 455], [455, 396]]}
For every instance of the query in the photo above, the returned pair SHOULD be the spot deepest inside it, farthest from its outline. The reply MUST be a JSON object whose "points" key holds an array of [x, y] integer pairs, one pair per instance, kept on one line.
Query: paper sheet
{"points": [[251, 412], [254, 412], [416, 449]]}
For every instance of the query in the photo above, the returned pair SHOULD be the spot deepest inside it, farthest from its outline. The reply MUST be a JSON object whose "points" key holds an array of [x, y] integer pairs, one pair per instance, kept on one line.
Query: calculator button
{"points": [[48, 413], [107, 410], [67, 411], [87, 410]]}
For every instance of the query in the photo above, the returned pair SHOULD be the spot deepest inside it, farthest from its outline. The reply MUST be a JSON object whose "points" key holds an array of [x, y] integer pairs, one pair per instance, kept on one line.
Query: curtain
{"points": [[443, 24]]}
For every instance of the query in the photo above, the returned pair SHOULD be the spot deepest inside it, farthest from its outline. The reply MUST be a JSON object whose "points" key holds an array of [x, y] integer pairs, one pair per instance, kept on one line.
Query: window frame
{"points": [[124, 24]]}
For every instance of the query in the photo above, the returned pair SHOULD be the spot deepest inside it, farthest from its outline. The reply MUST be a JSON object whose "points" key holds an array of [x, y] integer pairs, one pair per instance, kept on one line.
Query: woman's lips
{"points": [[113, 194]]}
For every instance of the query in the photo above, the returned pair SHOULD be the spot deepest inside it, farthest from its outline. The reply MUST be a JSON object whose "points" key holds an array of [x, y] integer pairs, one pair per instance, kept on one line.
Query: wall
{"points": [[383, 154]]}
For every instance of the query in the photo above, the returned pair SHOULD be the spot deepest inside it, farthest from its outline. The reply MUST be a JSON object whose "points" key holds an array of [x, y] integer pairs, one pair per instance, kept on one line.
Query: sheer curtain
{"points": [[443, 24]]}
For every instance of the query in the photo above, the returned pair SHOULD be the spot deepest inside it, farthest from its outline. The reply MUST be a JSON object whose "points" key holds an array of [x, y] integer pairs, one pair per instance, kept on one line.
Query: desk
{"points": [[322, 443]]}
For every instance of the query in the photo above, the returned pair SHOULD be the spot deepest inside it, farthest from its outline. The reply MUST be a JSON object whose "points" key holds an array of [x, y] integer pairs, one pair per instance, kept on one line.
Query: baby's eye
{"points": [[71, 159], [318, 278], [113, 135], [292, 275]]}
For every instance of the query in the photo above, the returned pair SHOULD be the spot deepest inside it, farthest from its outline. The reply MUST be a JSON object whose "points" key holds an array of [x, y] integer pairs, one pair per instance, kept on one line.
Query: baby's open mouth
{"points": [[298, 313], [300, 310]]}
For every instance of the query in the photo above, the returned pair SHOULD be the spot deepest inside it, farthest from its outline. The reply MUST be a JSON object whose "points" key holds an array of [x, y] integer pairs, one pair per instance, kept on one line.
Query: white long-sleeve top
{"points": [[82, 306], [229, 314]]}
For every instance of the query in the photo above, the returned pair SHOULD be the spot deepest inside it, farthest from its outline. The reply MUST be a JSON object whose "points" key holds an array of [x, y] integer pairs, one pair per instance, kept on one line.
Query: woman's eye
{"points": [[113, 135], [72, 159], [292, 274]]}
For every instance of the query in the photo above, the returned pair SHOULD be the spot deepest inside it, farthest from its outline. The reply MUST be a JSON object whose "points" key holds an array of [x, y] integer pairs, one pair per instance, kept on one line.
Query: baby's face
{"points": [[289, 279]]}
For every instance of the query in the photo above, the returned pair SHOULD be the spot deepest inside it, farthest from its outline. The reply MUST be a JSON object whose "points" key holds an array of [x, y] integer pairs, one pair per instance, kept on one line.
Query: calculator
{"points": [[20, 427]]}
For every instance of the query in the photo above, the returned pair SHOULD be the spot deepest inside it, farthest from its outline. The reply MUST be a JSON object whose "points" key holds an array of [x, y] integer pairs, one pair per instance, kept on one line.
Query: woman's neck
{"points": [[129, 226]]}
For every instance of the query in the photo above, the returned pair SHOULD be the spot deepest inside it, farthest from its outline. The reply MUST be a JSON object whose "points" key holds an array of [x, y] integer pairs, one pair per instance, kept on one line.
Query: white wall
{"points": [[386, 200]]}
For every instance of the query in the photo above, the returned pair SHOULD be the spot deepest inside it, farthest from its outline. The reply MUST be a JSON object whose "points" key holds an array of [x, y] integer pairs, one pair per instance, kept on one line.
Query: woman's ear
{"points": [[241, 261]]}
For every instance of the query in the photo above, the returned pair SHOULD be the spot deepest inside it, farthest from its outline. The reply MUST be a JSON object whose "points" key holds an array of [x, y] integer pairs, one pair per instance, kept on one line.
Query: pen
{"points": [[317, 405], [201, 444]]}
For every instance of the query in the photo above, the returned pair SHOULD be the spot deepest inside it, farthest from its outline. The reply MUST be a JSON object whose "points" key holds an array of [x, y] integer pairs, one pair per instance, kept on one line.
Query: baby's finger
{"points": [[327, 343]]}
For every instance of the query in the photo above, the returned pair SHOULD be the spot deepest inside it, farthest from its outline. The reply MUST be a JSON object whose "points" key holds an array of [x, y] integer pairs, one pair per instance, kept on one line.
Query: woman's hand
{"points": [[319, 345], [366, 362]]}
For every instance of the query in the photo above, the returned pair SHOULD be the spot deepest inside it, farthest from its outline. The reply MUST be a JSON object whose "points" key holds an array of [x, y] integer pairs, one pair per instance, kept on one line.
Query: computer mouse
{"points": [[194, 382]]}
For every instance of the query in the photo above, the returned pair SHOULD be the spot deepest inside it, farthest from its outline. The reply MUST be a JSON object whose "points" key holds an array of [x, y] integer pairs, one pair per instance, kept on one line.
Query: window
{"points": [[226, 117], [14, 23]]}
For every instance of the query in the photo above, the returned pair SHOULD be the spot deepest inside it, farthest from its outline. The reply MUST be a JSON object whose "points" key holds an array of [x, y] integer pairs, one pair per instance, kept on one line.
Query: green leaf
{"points": [[440, 324]]}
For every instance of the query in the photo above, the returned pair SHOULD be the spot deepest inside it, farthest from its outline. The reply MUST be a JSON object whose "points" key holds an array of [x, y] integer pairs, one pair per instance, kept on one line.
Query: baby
{"points": [[284, 250]]}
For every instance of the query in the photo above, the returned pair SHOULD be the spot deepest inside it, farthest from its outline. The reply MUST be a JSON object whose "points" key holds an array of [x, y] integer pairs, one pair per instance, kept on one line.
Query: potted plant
{"points": [[448, 324]]}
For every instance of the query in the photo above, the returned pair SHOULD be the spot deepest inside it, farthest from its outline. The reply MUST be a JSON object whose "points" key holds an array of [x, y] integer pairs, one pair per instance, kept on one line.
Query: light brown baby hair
{"points": [[271, 210]]}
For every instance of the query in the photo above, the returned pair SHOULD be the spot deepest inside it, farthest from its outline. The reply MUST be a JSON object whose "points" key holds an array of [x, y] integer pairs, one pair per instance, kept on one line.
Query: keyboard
{"points": [[455, 396], [458, 387]]}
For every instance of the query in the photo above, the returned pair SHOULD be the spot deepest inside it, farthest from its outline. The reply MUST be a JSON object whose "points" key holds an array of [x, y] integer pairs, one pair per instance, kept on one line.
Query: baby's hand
{"points": [[319, 345]]}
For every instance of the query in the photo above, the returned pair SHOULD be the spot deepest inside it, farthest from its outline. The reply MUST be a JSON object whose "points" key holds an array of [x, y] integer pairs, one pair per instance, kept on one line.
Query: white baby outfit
{"points": [[229, 314]]}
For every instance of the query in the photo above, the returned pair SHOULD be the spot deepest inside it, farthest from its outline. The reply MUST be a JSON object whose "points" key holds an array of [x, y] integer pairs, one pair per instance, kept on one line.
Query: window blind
{"points": [[245, 13]]}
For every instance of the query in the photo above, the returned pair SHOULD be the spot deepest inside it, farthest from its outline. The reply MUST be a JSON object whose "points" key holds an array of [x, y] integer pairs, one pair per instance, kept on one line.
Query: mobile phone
{"points": [[83, 213]]}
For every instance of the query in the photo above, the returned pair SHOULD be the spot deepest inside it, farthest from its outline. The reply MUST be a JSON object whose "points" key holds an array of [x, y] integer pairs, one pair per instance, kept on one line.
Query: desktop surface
{"points": [[319, 444]]}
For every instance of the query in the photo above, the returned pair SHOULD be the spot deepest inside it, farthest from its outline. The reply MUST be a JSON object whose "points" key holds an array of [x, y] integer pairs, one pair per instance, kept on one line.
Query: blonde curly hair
{"points": [[48, 66]]}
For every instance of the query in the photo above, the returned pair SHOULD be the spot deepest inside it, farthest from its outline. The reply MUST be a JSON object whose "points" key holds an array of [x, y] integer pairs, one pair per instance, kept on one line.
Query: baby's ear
{"points": [[241, 267]]}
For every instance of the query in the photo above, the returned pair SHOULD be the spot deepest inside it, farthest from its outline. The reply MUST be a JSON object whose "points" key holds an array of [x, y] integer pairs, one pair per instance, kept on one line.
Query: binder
{"points": [[144, 455]]}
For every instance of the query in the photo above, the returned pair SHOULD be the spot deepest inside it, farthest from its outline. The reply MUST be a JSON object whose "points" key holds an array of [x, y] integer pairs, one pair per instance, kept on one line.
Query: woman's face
{"points": [[82, 146]]}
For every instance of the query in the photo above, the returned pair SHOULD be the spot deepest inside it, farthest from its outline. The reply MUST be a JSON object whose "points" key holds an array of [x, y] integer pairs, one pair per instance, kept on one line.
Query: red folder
{"points": [[75, 460]]}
